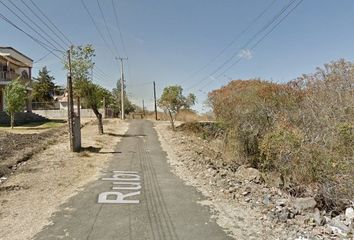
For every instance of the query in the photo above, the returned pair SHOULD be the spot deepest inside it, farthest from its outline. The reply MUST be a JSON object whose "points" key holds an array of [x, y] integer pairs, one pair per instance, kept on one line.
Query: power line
{"points": [[39, 42], [41, 58], [97, 28], [260, 40], [121, 36], [39, 27], [107, 29], [245, 45], [232, 42], [28, 25], [101, 76], [266, 26], [97, 77], [119, 29], [50, 21], [47, 25], [267, 33], [103, 72], [29, 35]]}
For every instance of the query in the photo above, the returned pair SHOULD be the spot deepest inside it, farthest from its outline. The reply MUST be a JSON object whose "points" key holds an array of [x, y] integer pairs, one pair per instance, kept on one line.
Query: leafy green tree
{"points": [[81, 62], [91, 94], [43, 89], [15, 97], [172, 102]]}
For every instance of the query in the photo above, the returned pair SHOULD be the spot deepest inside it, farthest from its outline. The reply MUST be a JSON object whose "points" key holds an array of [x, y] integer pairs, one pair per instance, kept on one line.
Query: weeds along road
{"points": [[137, 197]]}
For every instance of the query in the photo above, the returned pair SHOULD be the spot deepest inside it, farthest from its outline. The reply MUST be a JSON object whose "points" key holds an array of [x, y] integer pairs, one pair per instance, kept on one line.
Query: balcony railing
{"points": [[9, 76]]}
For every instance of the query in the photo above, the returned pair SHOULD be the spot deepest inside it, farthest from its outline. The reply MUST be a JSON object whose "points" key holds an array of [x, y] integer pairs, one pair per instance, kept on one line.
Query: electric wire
{"points": [[103, 72], [258, 42], [232, 42], [51, 22], [39, 42], [46, 24], [107, 29], [121, 36], [28, 25], [265, 27], [101, 75], [119, 28], [97, 28], [41, 58], [38, 27], [51, 48]]}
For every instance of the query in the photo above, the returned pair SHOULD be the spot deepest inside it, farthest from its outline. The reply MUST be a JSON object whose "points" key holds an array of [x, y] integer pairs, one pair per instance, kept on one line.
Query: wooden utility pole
{"points": [[71, 106], [122, 86], [155, 101], [143, 107], [78, 106]]}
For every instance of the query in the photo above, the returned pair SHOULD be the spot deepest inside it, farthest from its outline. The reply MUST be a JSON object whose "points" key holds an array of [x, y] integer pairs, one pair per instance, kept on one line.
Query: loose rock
{"points": [[303, 204], [349, 215], [248, 174]]}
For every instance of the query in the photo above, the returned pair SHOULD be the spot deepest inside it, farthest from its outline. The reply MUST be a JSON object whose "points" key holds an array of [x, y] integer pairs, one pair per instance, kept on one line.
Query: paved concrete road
{"points": [[167, 208]]}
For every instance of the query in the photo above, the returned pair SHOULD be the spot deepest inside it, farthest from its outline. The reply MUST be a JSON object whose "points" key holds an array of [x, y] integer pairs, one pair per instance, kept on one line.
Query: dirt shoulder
{"points": [[241, 203], [41, 184]]}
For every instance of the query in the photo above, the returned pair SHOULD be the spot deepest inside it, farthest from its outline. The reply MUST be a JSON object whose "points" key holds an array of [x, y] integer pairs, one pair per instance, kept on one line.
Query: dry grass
{"points": [[184, 116], [303, 130]]}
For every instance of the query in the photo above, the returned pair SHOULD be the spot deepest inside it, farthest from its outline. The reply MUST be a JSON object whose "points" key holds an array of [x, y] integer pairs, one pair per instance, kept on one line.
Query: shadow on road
{"points": [[97, 150], [112, 152], [91, 149], [125, 135]]}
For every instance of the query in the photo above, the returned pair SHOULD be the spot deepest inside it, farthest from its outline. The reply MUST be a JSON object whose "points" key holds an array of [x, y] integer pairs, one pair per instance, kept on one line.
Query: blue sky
{"points": [[167, 41]]}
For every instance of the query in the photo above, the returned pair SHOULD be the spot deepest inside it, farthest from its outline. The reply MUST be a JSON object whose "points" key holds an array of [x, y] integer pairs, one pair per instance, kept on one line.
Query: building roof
{"points": [[11, 48]]}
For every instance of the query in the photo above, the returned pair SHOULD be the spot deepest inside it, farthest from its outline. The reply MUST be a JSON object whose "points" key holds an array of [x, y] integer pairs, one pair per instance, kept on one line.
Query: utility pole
{"points": [[143, 107], [155, 101], [70, 106], [122, 86]]}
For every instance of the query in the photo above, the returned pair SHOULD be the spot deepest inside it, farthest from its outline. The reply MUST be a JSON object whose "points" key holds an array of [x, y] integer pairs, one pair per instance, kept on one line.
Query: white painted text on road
{"points": [[122, 180]]}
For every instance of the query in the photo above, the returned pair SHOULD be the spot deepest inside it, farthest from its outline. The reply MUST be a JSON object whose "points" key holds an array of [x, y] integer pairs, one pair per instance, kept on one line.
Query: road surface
{"points": [[137, 197]]}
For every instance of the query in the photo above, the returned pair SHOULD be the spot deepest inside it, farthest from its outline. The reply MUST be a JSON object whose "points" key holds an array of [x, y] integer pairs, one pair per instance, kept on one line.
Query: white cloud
{"points": [[245, 54]]}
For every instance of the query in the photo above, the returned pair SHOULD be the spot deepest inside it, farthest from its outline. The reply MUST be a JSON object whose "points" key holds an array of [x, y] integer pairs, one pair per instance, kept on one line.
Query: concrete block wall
{"points": [[63, 114]]}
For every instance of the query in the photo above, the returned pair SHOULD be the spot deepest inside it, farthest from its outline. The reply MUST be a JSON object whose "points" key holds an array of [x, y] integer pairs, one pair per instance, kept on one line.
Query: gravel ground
{"points": [[40, 185], [242, 205]]}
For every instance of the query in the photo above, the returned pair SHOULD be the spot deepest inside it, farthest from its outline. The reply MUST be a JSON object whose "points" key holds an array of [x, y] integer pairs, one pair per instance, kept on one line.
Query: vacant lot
{"points": [[19, 144]]}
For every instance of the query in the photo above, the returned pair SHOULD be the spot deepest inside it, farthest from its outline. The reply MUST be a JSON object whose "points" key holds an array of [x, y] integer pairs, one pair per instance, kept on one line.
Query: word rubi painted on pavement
{"points": [[126, 186]]}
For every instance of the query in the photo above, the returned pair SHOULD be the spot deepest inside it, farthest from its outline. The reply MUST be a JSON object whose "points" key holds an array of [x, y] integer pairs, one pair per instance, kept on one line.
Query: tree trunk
{"points": [[99, 119], [171, 120], [12, 120]]}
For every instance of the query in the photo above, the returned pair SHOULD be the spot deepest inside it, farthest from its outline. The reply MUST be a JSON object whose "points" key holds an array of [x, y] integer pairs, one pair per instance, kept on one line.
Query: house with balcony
{"points": [[13, 65]]}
